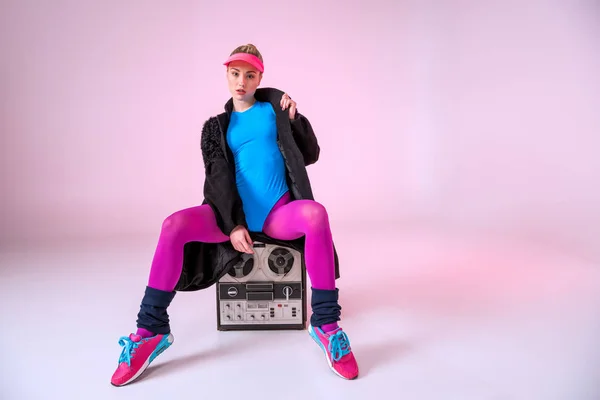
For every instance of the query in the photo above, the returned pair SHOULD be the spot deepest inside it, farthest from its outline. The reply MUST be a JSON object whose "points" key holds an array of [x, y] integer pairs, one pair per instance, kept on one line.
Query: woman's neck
{"points": [[242, 105]]}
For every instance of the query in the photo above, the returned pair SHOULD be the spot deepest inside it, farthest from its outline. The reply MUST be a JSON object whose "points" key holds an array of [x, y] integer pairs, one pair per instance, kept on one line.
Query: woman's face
{"points": [[243, 80]]}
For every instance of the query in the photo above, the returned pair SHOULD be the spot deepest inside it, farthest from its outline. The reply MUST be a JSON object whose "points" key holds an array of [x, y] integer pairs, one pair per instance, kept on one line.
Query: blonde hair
{"points": [[249, 49]]}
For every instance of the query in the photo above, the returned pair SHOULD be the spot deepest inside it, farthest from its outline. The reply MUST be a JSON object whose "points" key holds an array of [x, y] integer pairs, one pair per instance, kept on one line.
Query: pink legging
{"points": [[287, 221]]}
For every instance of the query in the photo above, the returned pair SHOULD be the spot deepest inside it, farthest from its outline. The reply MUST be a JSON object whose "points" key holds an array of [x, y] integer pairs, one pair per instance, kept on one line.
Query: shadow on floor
{"points": [[185, 362], [375, 356]]}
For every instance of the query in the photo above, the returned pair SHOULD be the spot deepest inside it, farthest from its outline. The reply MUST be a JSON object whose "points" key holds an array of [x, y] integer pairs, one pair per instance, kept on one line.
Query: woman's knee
{"points": [[315, 215], [175, 223]]}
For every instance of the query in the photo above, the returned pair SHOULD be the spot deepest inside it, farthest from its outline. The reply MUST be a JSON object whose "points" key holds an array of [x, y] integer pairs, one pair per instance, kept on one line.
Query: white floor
{"points": [[429, 316]]}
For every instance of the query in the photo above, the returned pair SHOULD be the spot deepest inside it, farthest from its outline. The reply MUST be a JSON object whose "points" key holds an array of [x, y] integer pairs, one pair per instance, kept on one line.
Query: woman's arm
{"points": [[305, 138], [220, 191]]}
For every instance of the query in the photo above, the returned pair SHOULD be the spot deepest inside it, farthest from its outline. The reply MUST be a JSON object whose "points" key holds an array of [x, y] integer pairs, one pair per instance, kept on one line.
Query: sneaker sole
{"points": [[162, 346], [314, 336]]}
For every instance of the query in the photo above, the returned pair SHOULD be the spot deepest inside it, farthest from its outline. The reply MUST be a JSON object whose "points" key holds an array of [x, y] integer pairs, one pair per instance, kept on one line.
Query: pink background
{"points": [[470, 115]]}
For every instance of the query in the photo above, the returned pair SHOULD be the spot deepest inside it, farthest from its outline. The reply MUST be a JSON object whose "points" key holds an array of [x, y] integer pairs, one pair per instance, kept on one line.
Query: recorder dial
{"points": [[281, 261]]}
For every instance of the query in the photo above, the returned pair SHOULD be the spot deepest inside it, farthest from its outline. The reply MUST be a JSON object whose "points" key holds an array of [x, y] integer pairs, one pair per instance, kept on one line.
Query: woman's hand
{"points": [[240, 239], [286, 101]]}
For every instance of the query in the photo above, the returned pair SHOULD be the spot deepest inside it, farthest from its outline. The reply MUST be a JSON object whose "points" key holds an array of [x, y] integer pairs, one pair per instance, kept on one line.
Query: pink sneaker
{"points": [[136, 356], [336, 346]]}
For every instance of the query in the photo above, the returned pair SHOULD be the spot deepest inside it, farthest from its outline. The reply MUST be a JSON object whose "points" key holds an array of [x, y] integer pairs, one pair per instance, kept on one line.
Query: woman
{"points": [[255, 157]]}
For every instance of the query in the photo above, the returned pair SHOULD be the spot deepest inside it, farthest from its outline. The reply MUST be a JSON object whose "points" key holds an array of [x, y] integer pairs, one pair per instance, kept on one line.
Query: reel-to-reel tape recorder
{"points": [[263, 291]]}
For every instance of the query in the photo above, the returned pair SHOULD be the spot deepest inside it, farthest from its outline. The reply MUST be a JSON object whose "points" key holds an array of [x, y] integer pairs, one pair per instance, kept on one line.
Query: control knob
{"points": [[287, 291]]}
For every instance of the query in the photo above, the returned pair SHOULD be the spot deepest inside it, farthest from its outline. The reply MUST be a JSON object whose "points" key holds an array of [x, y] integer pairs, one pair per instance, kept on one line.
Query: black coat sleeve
{"points": [[220, 191], [305, 139]]}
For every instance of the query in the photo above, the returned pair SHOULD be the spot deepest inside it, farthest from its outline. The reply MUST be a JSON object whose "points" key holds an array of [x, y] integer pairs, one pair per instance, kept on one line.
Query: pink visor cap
{"points": [[249, 58]]}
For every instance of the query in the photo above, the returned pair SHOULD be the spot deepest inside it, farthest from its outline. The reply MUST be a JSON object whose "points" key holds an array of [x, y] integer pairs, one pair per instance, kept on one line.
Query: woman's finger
{"points": [[237, 244], [249, 242], [244, 246]]}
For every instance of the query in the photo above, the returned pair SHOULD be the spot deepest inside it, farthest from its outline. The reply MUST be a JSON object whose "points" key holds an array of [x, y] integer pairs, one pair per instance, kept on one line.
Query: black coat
{"points": [[205, 263]]}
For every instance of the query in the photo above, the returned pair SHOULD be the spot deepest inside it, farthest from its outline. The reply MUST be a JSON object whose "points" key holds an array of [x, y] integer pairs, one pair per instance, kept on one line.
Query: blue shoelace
{"points": [[339, 345], [129, 347]]}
